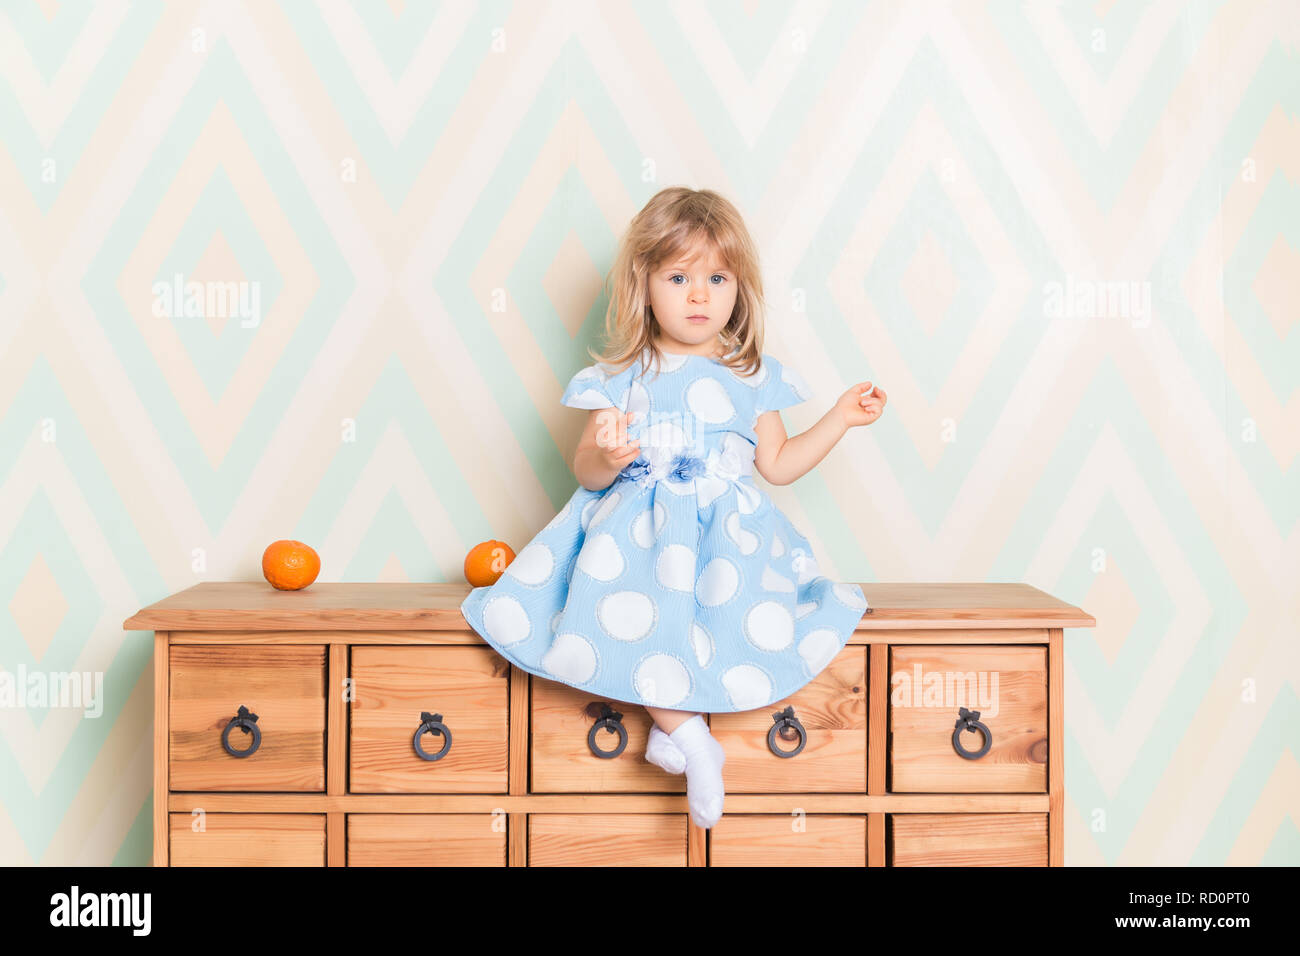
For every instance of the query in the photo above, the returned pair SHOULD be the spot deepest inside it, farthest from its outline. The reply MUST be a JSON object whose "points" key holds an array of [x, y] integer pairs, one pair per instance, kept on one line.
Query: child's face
{"points": [[696, 284]]}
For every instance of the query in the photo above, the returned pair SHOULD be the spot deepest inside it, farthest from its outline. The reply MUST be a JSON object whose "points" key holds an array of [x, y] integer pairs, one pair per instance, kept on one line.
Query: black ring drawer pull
{"points": [[246, 721], [783, 722], [613, 720], [970, 720], [431, 723]]}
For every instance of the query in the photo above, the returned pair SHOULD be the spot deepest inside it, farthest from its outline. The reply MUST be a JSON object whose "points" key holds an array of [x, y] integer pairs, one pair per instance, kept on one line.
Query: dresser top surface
{"points": [[256, 605]]}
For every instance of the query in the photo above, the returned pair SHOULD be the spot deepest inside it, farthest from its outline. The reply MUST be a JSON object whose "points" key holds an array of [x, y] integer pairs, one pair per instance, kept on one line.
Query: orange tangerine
{"points": [[486, 562], [290, 565]]}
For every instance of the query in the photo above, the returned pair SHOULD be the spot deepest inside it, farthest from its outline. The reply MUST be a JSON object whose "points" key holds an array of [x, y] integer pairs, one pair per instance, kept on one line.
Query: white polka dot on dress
{"points": [[748, 686], [769, 626], [642, 531], [626, 615], [661, 680], [562, 517], [748, 499], [746, 541], [849, 595], [708, 401], [818, 648], [506, 620], [671, 362], [601, 558], [675, 568], [571, 658], [532, 566], [718, 582], [702, 642], [607, 506], [771, 581]]}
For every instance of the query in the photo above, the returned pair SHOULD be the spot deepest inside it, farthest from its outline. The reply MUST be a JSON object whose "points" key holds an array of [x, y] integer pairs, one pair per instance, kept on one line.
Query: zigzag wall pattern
{"points": [[1064, 236]]}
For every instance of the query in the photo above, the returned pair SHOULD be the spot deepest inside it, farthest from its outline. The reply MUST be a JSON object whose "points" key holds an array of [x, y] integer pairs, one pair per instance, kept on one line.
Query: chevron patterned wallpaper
{"points": [[321, 270]]}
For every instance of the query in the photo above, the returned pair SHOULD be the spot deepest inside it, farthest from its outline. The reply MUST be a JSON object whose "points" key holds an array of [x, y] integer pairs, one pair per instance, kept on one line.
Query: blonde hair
{"points": [[672, 221]]}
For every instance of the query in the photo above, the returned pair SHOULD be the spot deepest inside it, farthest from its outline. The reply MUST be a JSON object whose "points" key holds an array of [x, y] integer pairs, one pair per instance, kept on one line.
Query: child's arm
{"points": [[604, 449], [782, 460]]}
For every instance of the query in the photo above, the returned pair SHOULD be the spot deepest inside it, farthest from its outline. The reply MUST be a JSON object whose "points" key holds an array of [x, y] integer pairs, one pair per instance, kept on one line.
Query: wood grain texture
{"points": [[877, 717], [393, 686], [922, 715], [161, 681], [562, 717], [520, 691], [517, 839], [554, 803], [1056, 748], [370, 606], [875, 839], [832, 708], [812, 839], [975, 839], [248, 839], [446, 839], [336, 839], [697, 844], [336, 721], [420, 638], [951, 635], [607, 839], [284, 686], [540, 803]]}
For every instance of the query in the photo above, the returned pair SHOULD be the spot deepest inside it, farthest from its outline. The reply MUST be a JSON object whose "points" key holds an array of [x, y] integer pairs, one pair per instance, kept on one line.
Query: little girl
{"points": [[670, 579]]}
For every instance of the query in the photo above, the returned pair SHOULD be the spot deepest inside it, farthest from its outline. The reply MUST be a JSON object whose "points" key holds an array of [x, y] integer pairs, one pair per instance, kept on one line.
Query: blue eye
{"points": [[673, 278]]}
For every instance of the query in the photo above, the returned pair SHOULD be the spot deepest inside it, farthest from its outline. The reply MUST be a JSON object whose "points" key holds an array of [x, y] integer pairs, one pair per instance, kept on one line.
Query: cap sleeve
{"points": [[784, 387], [593, 387]]}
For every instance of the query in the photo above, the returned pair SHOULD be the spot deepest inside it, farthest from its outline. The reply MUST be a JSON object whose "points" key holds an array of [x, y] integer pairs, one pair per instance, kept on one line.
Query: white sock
{"points": [[704, 760], [662, 752]]}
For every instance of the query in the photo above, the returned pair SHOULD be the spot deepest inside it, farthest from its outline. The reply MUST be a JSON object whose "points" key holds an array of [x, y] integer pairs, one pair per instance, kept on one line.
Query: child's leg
{"points": [[659, 748], [668, 720], [704, 758]]}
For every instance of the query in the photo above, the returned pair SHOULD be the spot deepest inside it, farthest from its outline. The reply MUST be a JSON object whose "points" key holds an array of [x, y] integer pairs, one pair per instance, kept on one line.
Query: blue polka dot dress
{"points": [[680, 585]]}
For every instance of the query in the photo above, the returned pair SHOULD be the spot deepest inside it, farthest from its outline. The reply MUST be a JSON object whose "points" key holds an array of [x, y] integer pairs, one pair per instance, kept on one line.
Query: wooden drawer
{"points": [[247, 839], [966, 839], [607, 839], [341, 674], [562, 760], [426, 839], [283, 686], [393, 686], [783, 839], [1005, 684], [832, 709]]}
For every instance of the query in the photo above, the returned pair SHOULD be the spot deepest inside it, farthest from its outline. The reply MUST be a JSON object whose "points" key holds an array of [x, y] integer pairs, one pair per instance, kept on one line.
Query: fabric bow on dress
{"points": [[727, 465]]}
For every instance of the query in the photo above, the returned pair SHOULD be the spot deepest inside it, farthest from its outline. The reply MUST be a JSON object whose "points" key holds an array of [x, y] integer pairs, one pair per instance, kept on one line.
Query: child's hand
{"points": [[862, 404], [611, 438]]}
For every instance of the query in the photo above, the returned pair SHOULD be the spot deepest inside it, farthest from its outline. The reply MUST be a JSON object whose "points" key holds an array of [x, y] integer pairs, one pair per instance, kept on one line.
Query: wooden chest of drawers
{"points": [[365, 725]]}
